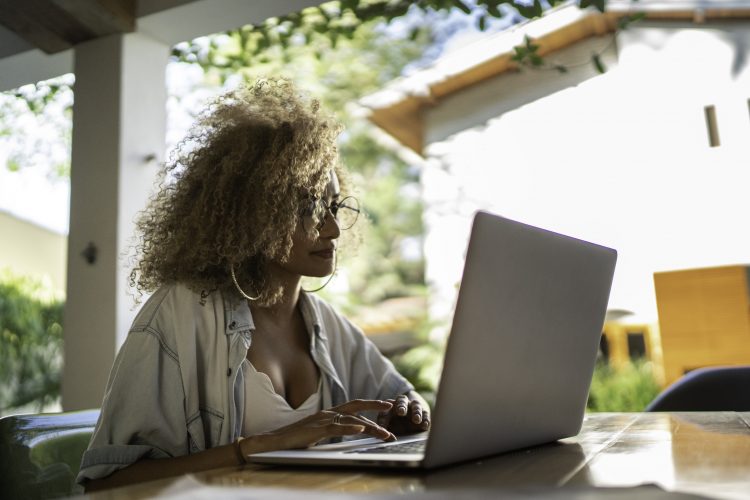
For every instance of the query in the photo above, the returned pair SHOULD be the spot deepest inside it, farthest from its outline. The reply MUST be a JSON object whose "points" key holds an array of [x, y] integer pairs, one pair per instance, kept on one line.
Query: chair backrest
{"points": [[40, 454], [707, 389]]}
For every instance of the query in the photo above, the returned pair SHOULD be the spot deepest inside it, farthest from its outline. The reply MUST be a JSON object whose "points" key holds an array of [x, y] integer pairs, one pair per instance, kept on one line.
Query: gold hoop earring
{"points": [[237, 285], [335, 268]]}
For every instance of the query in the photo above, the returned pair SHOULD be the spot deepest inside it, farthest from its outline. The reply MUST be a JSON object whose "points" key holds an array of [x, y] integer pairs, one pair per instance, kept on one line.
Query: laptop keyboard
{"points": [[410, 447]]}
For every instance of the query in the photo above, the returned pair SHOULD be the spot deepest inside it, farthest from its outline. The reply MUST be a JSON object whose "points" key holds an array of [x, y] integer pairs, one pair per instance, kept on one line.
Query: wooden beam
{"points": [[27, 20], [101, 17], [57, 25], [403, 121]]}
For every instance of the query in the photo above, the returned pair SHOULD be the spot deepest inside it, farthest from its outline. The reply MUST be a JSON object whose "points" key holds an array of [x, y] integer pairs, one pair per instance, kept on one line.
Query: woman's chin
{"points": [[318, 272]]}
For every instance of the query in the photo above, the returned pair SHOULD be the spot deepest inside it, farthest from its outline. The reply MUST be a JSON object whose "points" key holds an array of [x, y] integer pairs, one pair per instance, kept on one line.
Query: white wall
{"points": [[621, 159], [29, 249]]}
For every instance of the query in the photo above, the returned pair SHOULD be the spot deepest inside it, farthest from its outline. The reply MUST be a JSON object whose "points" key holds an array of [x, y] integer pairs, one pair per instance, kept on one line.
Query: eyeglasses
{"points": [[345, 212]]}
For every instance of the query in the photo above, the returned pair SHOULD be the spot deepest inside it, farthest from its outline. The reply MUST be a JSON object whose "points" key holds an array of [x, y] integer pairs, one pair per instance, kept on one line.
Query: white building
{"points": [[30, 249], [622, 158]]}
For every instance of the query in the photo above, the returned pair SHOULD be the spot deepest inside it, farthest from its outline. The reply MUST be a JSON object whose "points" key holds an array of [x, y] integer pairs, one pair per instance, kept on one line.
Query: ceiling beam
{"points": [[101, 17], [29, 21], [57, 25]]}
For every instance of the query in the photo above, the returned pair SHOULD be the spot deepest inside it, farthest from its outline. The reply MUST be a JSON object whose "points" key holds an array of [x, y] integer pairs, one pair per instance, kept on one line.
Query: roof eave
{"points": [[399, 108]]}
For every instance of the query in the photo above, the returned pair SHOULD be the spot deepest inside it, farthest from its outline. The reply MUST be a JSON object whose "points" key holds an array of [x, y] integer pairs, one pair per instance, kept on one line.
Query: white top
{"points": [[265, 410]]}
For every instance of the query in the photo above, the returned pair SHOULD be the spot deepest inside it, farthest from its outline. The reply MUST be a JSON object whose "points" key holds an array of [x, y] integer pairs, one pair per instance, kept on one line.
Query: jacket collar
{"points": [[237, 314], [239, 318]]}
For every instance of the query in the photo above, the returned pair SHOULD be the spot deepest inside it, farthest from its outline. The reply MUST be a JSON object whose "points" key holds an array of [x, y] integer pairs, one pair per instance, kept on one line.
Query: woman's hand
{"points": [[408, 415], [338, 421]]}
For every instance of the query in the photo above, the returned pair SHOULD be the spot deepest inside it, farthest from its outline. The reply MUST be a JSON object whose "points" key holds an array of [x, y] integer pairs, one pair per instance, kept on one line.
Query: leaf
{"points": [[600, 5], [626, 21], [323, 13], [529, 11], [494, 11], [482, 23], [462, 6], [13, 165], [598, 64], [349, 4]]}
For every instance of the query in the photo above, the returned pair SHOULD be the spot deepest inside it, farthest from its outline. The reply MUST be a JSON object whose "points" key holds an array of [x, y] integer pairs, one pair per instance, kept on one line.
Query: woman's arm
{"points": [[339, 421], [150, 469]]}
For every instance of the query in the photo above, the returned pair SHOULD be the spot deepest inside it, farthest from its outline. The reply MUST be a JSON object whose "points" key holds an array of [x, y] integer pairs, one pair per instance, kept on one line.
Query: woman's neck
{"points": [[284, 309]]}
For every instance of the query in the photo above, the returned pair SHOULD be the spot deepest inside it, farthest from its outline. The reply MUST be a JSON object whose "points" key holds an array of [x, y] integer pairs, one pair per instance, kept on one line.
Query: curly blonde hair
{"points": [[232, 192]]}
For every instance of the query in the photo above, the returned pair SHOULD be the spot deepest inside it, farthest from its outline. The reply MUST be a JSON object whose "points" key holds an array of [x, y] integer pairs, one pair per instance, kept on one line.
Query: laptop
{"points": [[519, 359]]}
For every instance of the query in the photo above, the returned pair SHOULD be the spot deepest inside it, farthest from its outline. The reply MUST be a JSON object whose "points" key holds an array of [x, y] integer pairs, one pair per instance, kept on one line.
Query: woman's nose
{"points": [[330, 228]]}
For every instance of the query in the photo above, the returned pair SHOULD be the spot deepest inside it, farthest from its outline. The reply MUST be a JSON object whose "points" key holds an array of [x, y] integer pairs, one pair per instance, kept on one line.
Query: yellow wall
{"points": [[26, 248], [704, 318], [616, 333]]}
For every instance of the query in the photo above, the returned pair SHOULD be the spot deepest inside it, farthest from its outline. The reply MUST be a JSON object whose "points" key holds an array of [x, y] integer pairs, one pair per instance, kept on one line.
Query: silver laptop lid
{"points": [[524, 339]]}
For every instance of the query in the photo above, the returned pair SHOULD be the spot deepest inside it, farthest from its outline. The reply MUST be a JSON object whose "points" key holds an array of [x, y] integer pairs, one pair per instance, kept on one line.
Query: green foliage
{"points": [[37, 96], [324, 27], [422, 366], [630, 388], [36, 127], [30, 343]]}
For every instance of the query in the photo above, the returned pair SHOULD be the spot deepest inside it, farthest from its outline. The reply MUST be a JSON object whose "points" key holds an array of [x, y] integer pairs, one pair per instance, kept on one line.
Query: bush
{"points": [[630, 388], [421, 366], [30, 343]]}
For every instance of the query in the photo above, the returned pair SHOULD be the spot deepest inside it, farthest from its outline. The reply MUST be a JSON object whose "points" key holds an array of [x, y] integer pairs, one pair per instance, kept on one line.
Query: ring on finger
{"points": [[337, 418]]}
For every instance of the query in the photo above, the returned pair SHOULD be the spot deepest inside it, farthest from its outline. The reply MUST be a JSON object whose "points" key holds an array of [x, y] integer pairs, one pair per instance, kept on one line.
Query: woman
{"points": [[230, 356]]}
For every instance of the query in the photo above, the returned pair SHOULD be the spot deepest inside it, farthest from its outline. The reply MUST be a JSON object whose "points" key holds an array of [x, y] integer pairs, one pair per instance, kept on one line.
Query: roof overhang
{"points": [[399, 108], [38, 37]]}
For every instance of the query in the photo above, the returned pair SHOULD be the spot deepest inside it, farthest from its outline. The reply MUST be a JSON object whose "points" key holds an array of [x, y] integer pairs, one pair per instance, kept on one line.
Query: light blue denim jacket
{"points": [[176, 386]]}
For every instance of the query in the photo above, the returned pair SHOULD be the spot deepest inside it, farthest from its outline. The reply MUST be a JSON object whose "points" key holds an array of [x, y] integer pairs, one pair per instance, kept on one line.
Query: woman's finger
{"points": [[425, 420], [402, 405], [369, 427], [416, 412], [384, 418], [358, 405], [339, 430]]}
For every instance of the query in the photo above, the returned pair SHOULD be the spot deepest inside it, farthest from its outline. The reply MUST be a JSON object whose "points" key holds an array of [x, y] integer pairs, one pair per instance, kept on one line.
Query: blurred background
{"points": [[620, 123]]}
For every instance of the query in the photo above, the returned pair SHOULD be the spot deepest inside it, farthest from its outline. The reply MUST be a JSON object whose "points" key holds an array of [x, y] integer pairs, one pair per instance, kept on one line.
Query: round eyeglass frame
{"points": [[319, 210]]}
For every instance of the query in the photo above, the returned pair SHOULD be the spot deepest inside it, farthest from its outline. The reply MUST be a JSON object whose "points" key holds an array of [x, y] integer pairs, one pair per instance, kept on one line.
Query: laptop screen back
{"points": [[524, 339]]}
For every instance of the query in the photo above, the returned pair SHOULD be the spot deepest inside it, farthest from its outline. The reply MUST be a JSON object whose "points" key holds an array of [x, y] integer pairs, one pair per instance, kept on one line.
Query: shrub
{"points": [[421, 366], [30, 343], [630, 388]]}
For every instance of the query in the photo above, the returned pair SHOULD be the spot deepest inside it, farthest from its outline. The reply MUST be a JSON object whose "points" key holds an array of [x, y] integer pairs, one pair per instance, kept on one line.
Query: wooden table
{"points": [[701, 453]]}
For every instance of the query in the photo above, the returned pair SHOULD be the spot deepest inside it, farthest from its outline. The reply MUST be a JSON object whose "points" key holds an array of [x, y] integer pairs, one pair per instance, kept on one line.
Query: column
{"points": [[119, 122]]}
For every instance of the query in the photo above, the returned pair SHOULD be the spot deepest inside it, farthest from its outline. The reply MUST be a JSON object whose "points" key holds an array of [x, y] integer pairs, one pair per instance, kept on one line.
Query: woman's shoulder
{"points": [[330, 319], [174, 300], [321, 308]]}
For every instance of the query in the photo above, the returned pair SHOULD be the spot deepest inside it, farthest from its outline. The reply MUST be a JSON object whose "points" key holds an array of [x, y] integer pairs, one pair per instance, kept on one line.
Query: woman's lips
{"points": [[325, 254]]}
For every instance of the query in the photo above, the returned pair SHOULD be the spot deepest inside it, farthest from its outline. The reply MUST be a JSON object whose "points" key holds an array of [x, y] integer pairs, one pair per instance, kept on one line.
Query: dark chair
{"points": [[707, 389], [40, 454]]}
